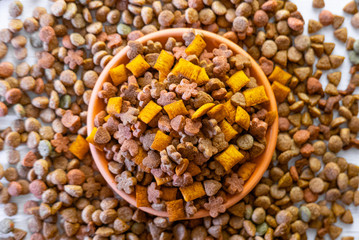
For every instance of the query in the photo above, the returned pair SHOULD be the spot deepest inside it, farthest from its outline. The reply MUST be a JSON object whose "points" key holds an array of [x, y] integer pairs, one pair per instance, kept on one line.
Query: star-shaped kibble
{"points": [[126, 182], [74, 58], [154, 193], [60, 143], [215, 206], [233, 184]]}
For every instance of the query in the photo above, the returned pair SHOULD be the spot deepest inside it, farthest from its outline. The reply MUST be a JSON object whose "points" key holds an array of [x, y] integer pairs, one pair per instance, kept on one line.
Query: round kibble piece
{"points": [[331, 171]]}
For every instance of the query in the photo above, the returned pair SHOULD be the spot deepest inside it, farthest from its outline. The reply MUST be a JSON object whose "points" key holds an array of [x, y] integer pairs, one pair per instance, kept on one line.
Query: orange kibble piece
{"points": [[149, 112], [175, 210], [169, 193], [118, 74], [279, 75], [202, 110], [79, 147], [176, 108], [255, 96], [218, 112], [242, 118], [161, 141], [114, 106], [229, 157], [202, 77], [186, 69], [164, 62], [246, 170], [237, 81], [138, 66], [196, 46], [228, 130], [193, 191], [141, 197], [280, 91], [230, 112]]}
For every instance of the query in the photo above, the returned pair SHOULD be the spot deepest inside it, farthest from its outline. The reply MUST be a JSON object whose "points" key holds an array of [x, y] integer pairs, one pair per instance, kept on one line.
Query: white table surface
{"points": [[304, 6]]}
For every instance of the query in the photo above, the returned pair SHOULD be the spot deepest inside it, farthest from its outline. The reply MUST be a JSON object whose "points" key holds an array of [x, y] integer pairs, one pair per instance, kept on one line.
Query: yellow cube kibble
{"points": [[237, 81], [149, 112], [246, 170], [161, 181], [161, 141], [255, 96], [202, 77], [202, 110], [229, 157], [193, 169], [242, 118], [79, 147], [270, 117], [230, 112], [228, 130], [196, 46], [280, 91], [193, 191], [106, 118], [118, 74], [114, 106], [140, 156], [141, 196], [164, 62], [169, 193], [175, 210], [138, 66], [218, 112], [186, 69], [176, 108], [279, 75]]}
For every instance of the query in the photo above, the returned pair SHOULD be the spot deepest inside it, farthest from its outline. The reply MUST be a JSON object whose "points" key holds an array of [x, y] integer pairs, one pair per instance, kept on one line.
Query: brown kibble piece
{"points": [[318, 3], [351, 7], [326, 17], [341, 34], [314, 26]]}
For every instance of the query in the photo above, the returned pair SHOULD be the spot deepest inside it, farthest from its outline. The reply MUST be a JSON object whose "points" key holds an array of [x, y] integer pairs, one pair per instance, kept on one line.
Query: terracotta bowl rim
{"points": [[265, 157]]}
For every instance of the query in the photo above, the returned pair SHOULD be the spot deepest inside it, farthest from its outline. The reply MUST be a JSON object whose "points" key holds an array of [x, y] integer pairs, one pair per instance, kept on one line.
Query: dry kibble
{"points": [[10, 209], [326, 17], [151, 134], [15, 8]]}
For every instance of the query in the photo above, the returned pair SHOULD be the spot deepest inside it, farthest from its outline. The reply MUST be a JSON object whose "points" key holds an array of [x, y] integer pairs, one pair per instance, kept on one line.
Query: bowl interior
{"points": [[213, 41]]}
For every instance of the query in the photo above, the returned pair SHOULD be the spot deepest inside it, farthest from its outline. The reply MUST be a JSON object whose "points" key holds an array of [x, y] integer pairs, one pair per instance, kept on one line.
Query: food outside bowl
{"points": [[212, 40]]}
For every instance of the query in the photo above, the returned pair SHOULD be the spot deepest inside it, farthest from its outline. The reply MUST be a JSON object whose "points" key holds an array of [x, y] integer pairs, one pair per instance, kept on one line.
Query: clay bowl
{"points": [[213, 40]]}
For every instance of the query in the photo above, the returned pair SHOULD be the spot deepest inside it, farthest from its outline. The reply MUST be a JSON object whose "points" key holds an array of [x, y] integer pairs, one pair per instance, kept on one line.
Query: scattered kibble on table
{"points": [[308, 185]]}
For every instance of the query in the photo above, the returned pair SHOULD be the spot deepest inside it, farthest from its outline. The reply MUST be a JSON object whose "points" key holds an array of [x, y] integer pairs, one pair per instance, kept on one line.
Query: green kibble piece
{"points": [[19, 110], [248, 211], [123, 29], [54, 154], [138, 228], [44, 148], [65, 102], [356, 46], [353, 57], [304, 214], [262, 228]]}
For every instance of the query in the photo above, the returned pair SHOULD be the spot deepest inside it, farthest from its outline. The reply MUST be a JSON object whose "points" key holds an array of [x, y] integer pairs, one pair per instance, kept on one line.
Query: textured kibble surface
{"points": [[173, 134]]}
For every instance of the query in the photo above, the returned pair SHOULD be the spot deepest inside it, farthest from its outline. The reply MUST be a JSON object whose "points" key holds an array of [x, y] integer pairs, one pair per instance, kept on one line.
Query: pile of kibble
{"points": [[76, 39]]}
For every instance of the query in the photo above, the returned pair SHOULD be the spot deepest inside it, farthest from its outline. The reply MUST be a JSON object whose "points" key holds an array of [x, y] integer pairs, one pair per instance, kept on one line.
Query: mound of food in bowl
{"points": [[182, 125]]}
